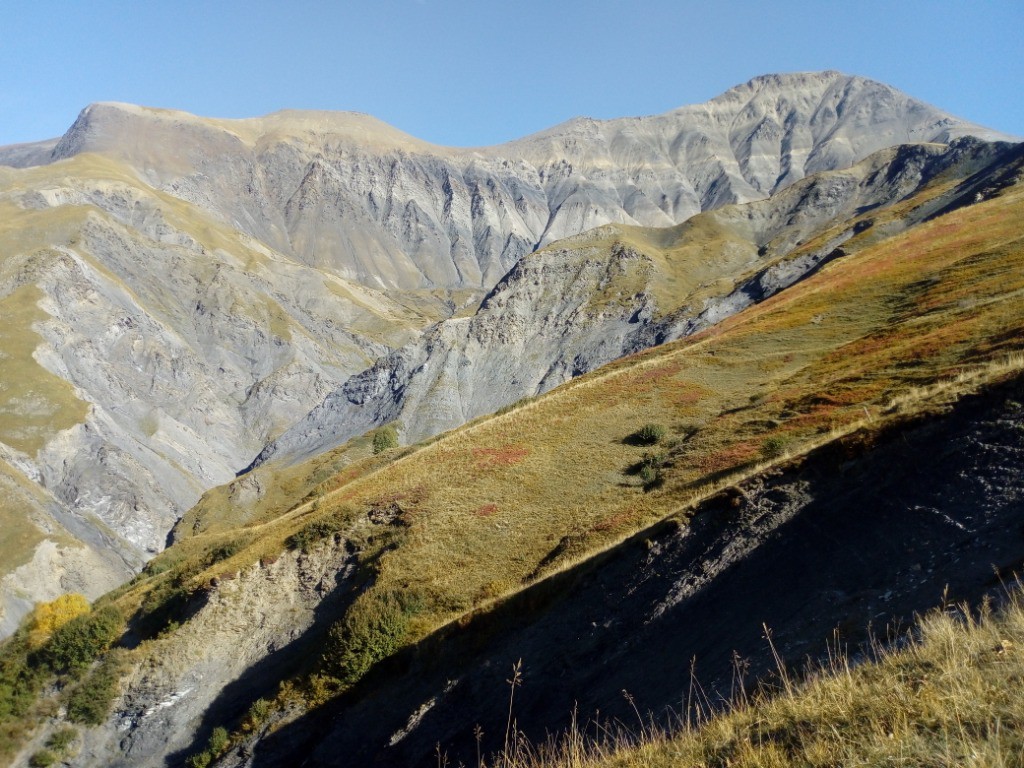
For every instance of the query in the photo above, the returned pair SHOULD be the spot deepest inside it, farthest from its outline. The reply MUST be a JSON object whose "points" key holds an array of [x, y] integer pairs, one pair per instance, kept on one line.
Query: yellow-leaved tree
{"points": [[49, 617]]}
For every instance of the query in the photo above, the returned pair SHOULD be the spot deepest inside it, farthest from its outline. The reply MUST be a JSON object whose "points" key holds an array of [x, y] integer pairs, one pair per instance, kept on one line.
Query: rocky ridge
{"points": [[348, 193]]}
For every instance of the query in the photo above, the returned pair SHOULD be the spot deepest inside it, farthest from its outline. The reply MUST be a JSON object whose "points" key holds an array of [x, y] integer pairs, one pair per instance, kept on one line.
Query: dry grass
{"points": [[952, 696], [510, 499]]}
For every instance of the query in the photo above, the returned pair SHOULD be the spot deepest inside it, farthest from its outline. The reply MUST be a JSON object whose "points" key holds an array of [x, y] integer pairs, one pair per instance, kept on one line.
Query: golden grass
{"points": [[34, 404], [509, 499], [950, 697]]}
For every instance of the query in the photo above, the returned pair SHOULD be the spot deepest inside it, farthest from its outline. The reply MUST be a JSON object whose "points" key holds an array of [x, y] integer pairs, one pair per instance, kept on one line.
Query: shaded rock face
{"points": [[244, 634], [581, 303], [205, 284]]}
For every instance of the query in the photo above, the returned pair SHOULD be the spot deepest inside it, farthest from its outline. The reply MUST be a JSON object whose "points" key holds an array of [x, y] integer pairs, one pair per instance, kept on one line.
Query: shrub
{"points": [[374, 628], [312, 532], [257, 715], [202, 760], [225, 551], [89, 703], [47, 618], [42, 759], [648, 434], [650, 470], [219, 741], [384, 439], [773, 447], [62, 739], [79, 642]]}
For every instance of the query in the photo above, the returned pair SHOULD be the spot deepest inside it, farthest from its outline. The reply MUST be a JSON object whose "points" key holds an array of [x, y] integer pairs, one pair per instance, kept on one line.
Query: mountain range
{"points": [[208, 321]]}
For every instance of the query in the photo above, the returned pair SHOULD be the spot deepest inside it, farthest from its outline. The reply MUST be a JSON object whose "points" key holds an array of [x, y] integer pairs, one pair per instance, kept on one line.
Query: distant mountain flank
{"points": [[346, 192]]}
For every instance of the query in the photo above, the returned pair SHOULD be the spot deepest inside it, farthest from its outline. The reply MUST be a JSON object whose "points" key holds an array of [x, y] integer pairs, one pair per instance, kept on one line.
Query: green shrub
{"points": [[648, 434], [89, 702], [374, 628], [42, 759], [20, 682], [202, 760], [224, 551], [61, 740], [257, 715], [384, 439], [773, 447], [650, 470], [78, 643], [219, 741], [311, 533]]}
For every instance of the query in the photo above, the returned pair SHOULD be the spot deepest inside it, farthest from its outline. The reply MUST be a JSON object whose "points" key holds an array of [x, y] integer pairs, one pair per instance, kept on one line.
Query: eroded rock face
{"points": [[238, 642]]}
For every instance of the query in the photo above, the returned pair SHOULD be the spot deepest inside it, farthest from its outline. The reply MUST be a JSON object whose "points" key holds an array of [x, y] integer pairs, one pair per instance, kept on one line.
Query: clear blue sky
{"points": [[477, 72]]}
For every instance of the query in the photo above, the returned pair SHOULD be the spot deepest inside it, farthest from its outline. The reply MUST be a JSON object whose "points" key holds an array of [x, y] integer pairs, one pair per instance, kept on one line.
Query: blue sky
{"points": [[471, 73]]}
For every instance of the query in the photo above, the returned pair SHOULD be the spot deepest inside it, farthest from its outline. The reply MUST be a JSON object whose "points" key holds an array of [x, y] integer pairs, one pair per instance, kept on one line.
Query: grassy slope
{"points": [[954, 698]]}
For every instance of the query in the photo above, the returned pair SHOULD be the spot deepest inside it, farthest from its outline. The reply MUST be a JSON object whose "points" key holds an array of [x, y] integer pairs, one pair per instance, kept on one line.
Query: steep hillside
{"points": [[863, 533], [342, 574], [939, 696], [148, 353]]}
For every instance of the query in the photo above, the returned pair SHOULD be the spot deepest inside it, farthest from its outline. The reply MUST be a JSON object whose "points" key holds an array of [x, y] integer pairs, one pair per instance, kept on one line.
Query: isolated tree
{"points": [[384, 439]]}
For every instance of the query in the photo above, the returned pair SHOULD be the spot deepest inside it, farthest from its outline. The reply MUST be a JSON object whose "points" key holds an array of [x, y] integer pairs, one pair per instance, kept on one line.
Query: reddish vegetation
{"points": [[615, 521], [486, 510], [343, 478], [505, 456], [686, 397], [661, 372], [732, 456]]}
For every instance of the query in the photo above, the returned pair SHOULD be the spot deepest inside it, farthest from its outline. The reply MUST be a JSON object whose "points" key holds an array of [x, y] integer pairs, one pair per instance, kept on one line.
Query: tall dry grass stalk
{"points": [[948, 693]]}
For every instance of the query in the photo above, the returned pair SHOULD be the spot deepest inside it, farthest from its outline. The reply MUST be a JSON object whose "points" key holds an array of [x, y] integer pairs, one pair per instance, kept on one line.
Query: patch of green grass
{"points": [[648, 434], [89, 702], [384, 439], [43, 758], [313, 532], [61, 740]]}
